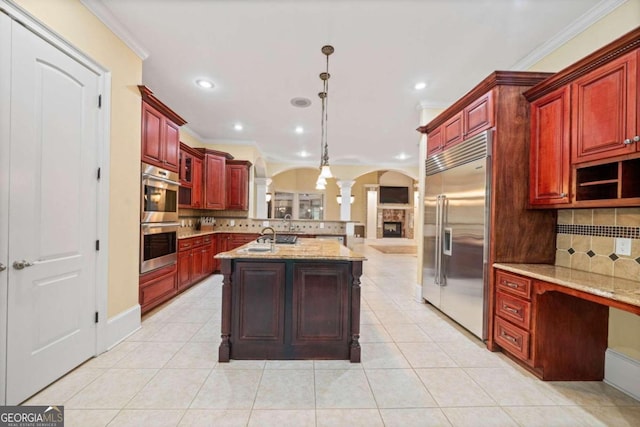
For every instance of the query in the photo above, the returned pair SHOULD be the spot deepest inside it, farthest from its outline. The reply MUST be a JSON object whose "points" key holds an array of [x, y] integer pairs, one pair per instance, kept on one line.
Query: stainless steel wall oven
{"points": [[158, 218]]}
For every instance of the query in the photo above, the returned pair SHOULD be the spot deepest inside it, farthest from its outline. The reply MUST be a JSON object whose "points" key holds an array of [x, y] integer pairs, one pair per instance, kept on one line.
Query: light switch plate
{"points": [[232, 223], [265, 223], [321, 225], [623, 246]]}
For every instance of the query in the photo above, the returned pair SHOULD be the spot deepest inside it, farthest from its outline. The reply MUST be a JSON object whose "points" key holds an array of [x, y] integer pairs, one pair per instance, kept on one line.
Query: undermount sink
{"points": [[286, 239], [260, 247]]}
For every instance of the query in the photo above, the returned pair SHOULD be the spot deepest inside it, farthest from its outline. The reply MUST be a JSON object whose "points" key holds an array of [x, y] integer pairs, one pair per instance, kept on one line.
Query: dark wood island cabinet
{"points": [[300, 301]]}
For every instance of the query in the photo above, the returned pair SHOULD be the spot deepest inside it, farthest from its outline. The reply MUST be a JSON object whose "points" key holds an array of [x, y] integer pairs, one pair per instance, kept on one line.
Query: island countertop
{"points": [[303, 249]]}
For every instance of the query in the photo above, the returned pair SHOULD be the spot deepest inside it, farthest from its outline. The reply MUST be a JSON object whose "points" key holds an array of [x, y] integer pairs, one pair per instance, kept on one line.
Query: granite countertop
{"points": [[187, 234], [309, 249], [623, 290]]}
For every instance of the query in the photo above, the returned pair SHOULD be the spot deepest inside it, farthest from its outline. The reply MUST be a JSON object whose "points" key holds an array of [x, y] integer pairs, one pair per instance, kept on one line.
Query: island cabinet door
{"points": [[258, 300], [321, 306]]}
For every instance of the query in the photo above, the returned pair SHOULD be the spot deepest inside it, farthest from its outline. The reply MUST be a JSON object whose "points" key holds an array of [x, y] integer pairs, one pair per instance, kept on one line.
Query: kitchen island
{"points": [[286, 302]]}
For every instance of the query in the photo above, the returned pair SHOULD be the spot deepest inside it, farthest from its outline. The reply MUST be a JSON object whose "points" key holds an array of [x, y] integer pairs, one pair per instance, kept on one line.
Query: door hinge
{"points": [[98, 175], [97, 245], [96, 317], [99, 101]]}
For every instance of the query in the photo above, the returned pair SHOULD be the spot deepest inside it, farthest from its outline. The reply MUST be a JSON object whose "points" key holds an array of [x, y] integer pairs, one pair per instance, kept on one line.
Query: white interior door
{"points": [[52, 215]]}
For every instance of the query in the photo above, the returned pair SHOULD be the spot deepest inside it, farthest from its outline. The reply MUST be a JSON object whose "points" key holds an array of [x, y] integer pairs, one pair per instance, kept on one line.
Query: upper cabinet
{"points": [[604, 110], [478, 115], [585, 131], [191, 168], [160, 132], [237, 185]]}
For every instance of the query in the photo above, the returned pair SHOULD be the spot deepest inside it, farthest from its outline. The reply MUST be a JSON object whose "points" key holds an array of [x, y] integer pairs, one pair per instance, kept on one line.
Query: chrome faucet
{"points": [[287, 219], [273, 236]]}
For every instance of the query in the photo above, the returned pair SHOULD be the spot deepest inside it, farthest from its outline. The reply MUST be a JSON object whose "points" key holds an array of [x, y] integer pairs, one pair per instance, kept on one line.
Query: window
{"points": [[298, 205]]}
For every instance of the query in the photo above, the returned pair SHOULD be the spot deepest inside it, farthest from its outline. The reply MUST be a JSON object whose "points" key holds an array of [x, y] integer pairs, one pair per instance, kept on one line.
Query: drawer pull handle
{"points": [[511, 285], [510, 309], [509, 337]]}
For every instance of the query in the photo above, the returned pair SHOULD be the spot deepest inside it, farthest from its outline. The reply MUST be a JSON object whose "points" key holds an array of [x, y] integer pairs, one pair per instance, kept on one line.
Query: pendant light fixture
{"points": [[325, 171]]}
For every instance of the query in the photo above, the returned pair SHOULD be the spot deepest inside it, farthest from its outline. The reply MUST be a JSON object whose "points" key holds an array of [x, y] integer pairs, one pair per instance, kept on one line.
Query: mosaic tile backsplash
{"points": [[585, 240]]}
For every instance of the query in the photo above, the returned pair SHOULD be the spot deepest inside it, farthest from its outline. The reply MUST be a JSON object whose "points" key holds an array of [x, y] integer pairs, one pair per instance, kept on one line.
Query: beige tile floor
{"points": [[418, 369]]}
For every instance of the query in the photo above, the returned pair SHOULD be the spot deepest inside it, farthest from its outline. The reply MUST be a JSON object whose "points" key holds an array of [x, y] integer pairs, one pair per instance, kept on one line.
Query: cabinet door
{"points": [[171, 145], [237, 187], [549, 162], [196, 184], [152, 122], [320, 303], [604, 104], [434, 141], [452, 130], [197, 266], [478, 116], [258, 302], [214, 183], [184, 269]]}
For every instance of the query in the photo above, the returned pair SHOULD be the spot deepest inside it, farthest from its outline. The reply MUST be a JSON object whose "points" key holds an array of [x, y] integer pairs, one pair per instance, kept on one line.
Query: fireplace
{"points": [[392, 229]]}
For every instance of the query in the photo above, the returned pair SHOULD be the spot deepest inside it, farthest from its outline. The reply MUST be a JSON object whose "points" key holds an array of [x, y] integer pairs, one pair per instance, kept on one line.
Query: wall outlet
{"points": [[623, 246], [265, 223], [321, 225], [232, 223]]}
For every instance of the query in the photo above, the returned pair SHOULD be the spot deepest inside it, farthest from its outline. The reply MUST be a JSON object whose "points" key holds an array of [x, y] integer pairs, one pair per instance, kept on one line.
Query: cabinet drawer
{"points": [[197, 241], [513, 284], [206, 239], [185, 244], [511, 338], [158, 290], [516, 310]]}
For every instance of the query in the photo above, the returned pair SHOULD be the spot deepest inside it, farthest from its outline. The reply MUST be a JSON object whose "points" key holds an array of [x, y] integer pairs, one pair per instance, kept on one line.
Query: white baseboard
{"points": [[622, 372], [122, 325]]}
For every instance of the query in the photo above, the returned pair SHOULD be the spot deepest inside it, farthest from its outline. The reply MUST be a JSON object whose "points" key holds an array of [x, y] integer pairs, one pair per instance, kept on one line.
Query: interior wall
{"points": [[623, 336], [71, 20]]}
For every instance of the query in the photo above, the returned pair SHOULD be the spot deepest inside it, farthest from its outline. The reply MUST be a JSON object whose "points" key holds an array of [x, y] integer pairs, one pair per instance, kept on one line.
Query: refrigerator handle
{"points": [[437, 242], [441, 243]]}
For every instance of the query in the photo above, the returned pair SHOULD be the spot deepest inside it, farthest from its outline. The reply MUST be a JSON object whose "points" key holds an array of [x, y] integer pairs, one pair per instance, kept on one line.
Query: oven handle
{"points": [[171, 226], [157, 178]]}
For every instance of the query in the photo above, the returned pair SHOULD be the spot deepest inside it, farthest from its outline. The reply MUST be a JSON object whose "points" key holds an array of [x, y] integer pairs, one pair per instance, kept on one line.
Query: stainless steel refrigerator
{"points": [[456, 232]]}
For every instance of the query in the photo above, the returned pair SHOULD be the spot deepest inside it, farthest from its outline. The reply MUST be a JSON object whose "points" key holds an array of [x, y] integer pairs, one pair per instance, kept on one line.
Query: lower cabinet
{"points": [[557, 336], [289, 310], [195, 260], [156, 287]]}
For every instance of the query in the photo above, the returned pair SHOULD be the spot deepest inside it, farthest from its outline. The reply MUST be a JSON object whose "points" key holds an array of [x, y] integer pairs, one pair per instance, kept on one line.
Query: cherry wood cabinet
{"points": [[604, 110], [479, 115], [191, 178], [434, 141], [157, 287], [237, 184], [556, 333], [591, 110], [195, 260], [452, 132], [160, 141], [549, 154]]}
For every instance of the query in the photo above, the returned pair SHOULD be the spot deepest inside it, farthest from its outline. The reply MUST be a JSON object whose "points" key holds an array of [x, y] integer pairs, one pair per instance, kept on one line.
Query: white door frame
{"points": [[103, 143]]}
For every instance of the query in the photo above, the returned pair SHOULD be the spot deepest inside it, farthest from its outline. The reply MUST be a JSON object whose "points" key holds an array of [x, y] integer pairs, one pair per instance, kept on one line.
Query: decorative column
{"points": [[261, 197], [345, 193], [372, 211]]}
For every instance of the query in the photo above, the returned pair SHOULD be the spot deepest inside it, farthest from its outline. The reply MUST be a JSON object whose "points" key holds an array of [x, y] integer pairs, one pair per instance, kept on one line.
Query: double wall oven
{"points": [[158, 218]]}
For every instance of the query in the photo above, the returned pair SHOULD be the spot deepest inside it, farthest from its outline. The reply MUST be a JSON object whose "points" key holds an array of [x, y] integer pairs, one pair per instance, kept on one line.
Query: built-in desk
{"points": [[555, 320]]}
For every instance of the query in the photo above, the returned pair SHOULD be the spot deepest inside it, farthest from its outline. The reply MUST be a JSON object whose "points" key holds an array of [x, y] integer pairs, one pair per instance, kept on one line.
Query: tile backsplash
{"points": [[585, 240]]}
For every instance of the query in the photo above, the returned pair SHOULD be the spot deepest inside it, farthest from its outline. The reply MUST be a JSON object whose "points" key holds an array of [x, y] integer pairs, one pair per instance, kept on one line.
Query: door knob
{"points": [[2, 267], [627, 141], [19, 265], [636, 138]]}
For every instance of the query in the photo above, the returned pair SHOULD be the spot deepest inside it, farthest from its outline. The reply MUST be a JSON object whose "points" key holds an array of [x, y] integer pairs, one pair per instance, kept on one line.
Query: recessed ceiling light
{"points": [[304, 153], [420, 86], [299, 130], [300, 102], [401, 156], [238, 126], [204, 83]]}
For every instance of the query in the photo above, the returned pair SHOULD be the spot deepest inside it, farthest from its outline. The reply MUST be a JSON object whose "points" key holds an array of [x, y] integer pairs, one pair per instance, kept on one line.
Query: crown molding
{"points": [[98, 8], [592, 16]]}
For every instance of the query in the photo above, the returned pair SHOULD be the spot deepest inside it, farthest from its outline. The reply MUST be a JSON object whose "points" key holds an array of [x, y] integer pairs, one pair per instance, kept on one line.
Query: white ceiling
{"points": [[262, 53]]}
